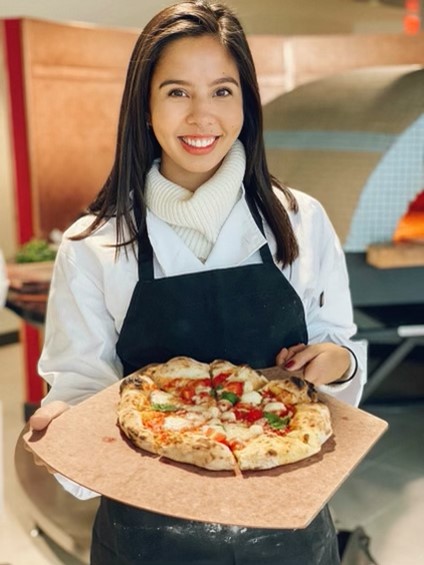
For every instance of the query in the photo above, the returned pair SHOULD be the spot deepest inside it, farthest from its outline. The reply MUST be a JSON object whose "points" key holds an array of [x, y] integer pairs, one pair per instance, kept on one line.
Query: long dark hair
{"points": [[137, 146]]}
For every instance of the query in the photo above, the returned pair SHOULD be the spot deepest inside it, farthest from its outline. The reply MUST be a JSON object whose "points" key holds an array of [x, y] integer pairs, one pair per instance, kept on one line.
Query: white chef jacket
{"points": [[91, 291]]}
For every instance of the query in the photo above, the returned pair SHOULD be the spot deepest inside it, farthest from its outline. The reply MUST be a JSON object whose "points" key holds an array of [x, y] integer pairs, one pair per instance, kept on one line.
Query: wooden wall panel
{"points": [[312, 57], [74, 82]]}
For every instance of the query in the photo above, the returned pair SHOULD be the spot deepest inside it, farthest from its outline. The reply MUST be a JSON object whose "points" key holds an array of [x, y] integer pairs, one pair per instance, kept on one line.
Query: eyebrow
{"points": [[222, 80]]}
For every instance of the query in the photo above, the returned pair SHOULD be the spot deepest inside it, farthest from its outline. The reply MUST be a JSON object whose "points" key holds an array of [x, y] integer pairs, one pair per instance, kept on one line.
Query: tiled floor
{"points": [[385, 495]]}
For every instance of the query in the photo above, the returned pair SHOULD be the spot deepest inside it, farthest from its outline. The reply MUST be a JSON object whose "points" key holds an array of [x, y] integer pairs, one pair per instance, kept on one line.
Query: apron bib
{"points": [[242, 314]]}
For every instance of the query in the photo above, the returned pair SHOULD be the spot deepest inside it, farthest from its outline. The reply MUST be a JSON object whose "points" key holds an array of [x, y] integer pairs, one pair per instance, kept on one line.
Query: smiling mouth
{"points": [[199, 142]]}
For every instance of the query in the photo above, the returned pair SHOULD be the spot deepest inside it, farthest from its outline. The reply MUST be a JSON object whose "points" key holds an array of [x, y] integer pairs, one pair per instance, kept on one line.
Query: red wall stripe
{"points": [[15, 70], [25, 228], [30, 338]]}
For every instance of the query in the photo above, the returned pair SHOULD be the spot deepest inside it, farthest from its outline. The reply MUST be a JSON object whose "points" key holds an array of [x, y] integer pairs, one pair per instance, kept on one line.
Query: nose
{"points": [[200, 112]]}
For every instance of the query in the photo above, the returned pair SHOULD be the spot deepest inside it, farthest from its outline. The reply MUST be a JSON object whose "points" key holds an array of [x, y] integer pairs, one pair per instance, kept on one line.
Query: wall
{"points": [[289, 17]]}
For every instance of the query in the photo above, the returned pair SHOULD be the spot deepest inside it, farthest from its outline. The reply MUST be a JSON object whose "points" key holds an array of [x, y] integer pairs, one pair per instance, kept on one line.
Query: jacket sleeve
{"points": [[78, 358], [329, 311]]}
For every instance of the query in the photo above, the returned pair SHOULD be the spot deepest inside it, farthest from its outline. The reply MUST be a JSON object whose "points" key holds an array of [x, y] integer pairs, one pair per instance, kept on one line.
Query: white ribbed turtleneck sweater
{"points": [[197, 217]]}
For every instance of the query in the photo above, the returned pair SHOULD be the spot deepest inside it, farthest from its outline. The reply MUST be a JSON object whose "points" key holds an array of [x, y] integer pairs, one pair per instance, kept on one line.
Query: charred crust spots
{"points": [[297, 381], [133, 381], [271, 453], [301, 384], [312, 393]]}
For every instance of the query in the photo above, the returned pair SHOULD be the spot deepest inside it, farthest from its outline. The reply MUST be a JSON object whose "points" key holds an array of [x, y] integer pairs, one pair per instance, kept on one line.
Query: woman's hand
{"points": [[321, 363], [44, 415], [41, 419]]}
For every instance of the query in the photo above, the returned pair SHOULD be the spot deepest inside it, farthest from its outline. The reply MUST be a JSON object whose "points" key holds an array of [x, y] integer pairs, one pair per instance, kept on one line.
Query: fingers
{"points": [[321, 363], [41, 419], [37, 461], [287, 353], [281, 356], [300, 358], [40, 463], [44, 415]]}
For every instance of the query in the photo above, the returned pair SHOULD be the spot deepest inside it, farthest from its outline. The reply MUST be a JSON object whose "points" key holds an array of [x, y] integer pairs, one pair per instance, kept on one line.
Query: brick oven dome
{"points": [[355, 141]]}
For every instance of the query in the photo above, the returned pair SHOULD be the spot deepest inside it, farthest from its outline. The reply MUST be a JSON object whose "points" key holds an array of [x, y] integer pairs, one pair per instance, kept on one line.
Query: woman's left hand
{"points": [[321, 363]]}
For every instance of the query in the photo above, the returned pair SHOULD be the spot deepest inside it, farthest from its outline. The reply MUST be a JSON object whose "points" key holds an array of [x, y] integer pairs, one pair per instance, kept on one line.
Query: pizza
{"points": [[221, 416]]}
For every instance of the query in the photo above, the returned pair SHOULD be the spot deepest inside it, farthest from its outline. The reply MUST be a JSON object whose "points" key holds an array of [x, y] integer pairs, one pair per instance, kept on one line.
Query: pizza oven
{"points": [[355, 141]]}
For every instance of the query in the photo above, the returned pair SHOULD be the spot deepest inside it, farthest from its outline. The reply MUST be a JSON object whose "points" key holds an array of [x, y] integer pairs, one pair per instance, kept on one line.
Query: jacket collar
{"points": [[238, 239]]}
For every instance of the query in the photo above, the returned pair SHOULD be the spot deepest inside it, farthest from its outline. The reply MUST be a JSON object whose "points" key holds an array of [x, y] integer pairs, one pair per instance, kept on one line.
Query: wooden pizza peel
{"points": [[86, 445]]}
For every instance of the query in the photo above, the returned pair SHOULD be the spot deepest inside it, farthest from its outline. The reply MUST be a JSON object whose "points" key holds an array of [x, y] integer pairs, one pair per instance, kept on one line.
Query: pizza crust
{"points": [[266, 452], [188, 447], [196, 449], [292, 390], [176, 367], [241, 373], [312, 421]]}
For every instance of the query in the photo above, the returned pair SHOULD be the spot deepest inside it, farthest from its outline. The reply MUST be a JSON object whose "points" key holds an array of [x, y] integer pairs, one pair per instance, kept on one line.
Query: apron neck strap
{"points": [[145, 249], [264, 250]]}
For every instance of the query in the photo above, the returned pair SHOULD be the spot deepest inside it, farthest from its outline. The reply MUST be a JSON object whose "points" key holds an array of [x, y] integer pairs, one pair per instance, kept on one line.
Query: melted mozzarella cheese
{"points": [[224, 404], [228, 417], [274, 407], [213, 412], [213, 427], [175, 423], [161, 397], [252, 397], [239, 433]]}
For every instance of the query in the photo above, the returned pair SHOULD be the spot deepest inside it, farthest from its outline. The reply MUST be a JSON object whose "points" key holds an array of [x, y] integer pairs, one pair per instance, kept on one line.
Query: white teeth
{"points": [[197, 142]]}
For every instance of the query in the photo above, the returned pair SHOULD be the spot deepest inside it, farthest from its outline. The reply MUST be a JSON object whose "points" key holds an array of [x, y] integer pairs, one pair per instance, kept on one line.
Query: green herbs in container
{"points": [[35, 251]]}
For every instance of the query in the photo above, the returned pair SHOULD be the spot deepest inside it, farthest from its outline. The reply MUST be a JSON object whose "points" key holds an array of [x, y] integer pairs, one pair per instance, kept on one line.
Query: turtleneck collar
{"points": [[197, 217]]}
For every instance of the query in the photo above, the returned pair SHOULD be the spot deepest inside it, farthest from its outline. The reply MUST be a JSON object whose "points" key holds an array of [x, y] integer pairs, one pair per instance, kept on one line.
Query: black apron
{"points": [[243, 314]]}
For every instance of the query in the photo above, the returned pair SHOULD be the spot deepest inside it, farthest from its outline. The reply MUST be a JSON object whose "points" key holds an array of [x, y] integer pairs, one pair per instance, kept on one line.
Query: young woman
{"points": [[193, 248]]}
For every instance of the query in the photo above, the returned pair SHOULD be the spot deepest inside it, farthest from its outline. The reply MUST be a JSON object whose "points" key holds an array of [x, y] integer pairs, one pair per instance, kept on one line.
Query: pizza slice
{"points": [[163, 423], [288, 424], [290, 390], [280, 423], [185, 380], [282, 440], [234, 383]]}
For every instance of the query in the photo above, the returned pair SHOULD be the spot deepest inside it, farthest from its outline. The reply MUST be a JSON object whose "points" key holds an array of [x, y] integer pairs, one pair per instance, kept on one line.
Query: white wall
{"points": [[258, 16]]}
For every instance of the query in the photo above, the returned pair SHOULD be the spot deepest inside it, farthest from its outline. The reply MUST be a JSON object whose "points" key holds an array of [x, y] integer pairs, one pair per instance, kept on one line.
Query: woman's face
{"points": [[196, 108]]}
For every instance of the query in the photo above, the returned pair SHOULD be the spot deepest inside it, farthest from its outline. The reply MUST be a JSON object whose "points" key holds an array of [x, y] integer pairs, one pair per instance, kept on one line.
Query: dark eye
{"points": [[177, 92], [223, 92]]}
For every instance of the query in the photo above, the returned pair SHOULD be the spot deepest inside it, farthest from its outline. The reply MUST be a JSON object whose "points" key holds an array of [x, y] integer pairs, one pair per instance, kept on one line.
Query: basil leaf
{"points": [[164, 407], [276, 421], [230, 396]]}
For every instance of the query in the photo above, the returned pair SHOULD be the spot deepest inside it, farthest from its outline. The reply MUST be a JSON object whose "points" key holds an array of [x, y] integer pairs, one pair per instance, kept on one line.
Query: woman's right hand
{"points": [[45, 414]]}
